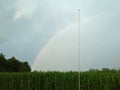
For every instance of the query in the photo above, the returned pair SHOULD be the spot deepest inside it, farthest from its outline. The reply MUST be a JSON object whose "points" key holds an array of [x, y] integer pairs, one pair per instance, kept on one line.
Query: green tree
{"points": [[2, 63], [25, 67], [13, 65]]}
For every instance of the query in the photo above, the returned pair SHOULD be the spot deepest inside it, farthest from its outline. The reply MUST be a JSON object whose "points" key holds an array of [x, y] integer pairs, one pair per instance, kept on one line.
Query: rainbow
{"points": [[44, 49]]}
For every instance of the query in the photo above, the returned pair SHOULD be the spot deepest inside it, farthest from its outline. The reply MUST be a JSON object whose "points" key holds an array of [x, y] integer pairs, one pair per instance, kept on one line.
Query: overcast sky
{"points": [[44, 32]]}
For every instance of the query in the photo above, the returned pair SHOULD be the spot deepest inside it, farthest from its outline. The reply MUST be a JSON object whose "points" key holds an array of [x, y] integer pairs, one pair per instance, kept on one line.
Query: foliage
{"points": [[89, 80], [13, 65]]}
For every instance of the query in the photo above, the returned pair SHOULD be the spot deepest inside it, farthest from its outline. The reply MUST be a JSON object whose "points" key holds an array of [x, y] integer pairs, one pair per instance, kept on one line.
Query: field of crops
{"points": [[89, 80]]}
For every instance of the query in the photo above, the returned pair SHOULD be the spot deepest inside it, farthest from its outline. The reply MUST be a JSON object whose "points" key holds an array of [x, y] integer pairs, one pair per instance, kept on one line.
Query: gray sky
{"points": [[44, 32]]}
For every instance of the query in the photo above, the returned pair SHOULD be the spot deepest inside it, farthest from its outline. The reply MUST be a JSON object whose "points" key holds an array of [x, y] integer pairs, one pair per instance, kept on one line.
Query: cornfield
{"points": [[89, 80]]}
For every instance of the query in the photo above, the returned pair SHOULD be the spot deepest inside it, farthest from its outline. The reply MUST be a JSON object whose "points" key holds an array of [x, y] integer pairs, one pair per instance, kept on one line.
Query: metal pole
{"points": [[79, 48]]}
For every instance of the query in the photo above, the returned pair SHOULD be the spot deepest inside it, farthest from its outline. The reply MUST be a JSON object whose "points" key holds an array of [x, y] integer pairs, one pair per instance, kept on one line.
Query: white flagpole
{"points": [[79, 48]]}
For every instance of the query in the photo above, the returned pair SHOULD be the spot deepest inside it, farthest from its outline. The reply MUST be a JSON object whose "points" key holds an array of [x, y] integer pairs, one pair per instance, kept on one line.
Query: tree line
{"points": [[13, 65]]}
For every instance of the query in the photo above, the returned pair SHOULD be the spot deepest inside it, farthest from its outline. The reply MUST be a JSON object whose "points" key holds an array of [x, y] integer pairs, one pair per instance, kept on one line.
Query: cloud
{"points": [[25, 8], [18, 15]]}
